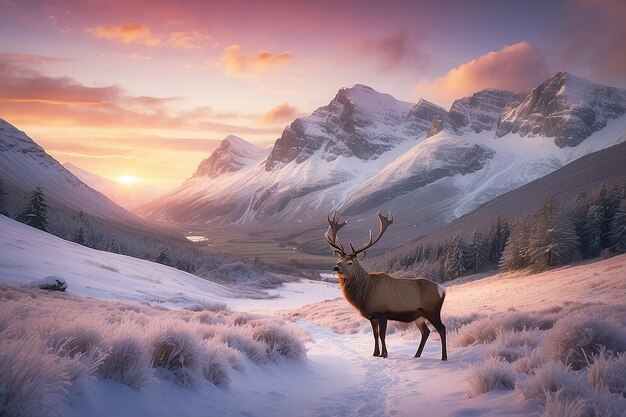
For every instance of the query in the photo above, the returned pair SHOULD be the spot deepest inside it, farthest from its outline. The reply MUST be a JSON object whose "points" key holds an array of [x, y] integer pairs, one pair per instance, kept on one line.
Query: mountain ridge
{"points": [[366, 151]]}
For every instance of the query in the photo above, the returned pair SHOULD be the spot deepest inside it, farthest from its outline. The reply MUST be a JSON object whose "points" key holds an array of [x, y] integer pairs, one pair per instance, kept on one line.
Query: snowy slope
{"points": [[25, 165], [128, 196]]}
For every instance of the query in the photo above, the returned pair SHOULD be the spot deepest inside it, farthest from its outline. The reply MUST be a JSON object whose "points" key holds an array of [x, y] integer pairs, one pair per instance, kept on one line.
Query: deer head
{"points": [[347, 261]]}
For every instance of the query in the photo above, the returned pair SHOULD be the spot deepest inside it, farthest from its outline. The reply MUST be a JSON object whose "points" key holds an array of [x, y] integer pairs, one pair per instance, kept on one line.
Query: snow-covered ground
{"points": [[338, 377]]}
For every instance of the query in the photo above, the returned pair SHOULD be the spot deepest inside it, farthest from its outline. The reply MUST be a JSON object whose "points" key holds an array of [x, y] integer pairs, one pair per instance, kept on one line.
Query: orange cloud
{"points": [[188, 40], [125, 33], [283, 113], [238, 64], [517, 67]]}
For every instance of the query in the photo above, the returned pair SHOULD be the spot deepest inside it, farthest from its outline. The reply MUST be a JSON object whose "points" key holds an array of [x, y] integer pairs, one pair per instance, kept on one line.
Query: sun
{"points": [[127, 179]]}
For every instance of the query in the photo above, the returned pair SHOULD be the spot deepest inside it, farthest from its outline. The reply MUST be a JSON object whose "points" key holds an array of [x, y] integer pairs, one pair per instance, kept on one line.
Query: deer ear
{"points": [[361, 256], [337, 253]]}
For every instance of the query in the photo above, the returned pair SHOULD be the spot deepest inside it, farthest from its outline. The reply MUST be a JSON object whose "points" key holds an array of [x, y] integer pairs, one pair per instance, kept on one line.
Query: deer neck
{"points": [[356, 287]]}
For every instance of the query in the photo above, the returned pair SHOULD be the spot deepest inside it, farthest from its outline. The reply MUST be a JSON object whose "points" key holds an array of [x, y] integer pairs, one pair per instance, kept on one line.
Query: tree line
{"points": [[106, 235], [587, 226]]}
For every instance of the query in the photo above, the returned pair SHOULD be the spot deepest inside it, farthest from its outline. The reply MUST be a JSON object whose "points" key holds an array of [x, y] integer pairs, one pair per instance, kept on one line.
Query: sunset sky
{"points": [[148, 88]]}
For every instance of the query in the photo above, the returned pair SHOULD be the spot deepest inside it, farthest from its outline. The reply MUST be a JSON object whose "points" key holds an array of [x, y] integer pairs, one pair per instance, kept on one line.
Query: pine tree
{"points": [[162, 257], [80, 238], [618, 229], [515, 255], [455, 258], [35, 213], [497, 240], [553, 241], [594, 231], [477, 259]]}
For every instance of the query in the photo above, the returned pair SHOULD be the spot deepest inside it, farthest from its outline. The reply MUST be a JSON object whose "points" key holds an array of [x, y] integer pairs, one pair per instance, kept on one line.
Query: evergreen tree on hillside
{"points": [[162, 257], [618, 228], [498, 237], [477, 252], [80, 238], [515, 255], [35, 213], [593, 233], [454, 260], [553, 241]]}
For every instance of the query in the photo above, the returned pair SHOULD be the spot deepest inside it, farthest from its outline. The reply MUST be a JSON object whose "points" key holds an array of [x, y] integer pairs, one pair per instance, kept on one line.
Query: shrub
{"points": [[33, 379], [127, 362], [489, 375], [608, 373], [560, 405], [552, 377], [576, 338], [179, 352], [280, 340], [514, 345]]}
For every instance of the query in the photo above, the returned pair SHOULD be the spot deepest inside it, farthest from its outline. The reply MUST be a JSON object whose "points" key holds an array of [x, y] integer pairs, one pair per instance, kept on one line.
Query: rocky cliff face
{"points": [[232, 155], [481, 111], [359, 122], [566, 108]]}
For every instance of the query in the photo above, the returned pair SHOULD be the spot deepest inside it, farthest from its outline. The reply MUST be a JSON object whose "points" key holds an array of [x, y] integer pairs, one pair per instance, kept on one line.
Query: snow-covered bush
{"points": [[281, 340], [491, 374], [486, 330], [33, 379], [552, 377], [216, 364], [608, 373], [514, 345], [254, 350], [559, 404], [127, 362], [179, 352], [578, 337]]}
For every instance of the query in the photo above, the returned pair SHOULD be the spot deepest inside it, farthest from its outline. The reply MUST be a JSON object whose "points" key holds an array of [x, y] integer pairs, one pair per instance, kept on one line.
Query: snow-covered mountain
{"points": [[128, 196], [566, 108], [233, 154], [24, 165], [366, 151]]}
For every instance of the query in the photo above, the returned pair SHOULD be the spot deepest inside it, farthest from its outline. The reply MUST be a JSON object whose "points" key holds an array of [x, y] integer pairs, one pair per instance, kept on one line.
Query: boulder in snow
{"points": [[51, 282]]}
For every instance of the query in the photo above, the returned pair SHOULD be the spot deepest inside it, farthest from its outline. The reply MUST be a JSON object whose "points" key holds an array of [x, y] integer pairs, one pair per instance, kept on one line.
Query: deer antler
{"points": [[331, 234], [385, 222]]}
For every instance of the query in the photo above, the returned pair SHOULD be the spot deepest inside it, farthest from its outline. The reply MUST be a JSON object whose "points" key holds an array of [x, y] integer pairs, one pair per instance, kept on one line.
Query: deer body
{"points": [[380, 297]]}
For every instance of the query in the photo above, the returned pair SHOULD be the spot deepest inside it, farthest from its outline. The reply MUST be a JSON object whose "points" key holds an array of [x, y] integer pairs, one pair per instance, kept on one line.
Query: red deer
{"points": [[380, 297]]}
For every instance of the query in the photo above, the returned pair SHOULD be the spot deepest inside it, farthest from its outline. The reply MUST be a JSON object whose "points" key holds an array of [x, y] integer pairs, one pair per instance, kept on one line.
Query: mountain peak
{"points": [[481, 110], [232, 155], [565, 107]]}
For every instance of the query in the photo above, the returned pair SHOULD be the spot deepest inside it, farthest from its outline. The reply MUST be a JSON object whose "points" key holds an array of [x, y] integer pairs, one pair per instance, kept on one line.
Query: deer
{"points": [[379, 297]]}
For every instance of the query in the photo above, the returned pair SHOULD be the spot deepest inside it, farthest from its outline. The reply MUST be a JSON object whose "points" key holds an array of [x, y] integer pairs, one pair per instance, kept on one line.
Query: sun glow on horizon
{"points": [[127, 179]]}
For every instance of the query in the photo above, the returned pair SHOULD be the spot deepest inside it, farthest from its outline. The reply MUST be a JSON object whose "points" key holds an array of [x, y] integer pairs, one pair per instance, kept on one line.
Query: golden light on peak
{"points": [[127, 179]]}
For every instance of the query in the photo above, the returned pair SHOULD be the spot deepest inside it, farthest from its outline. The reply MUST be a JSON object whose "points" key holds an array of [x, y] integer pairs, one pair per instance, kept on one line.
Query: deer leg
{"points": [[421, 325], [435, 320], [374, 323], [382, 323]]}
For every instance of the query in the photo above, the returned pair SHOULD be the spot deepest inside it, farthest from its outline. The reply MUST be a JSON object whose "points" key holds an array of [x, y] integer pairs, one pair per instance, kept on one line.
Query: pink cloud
{"points": [[396, 49], [518, 67]]}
